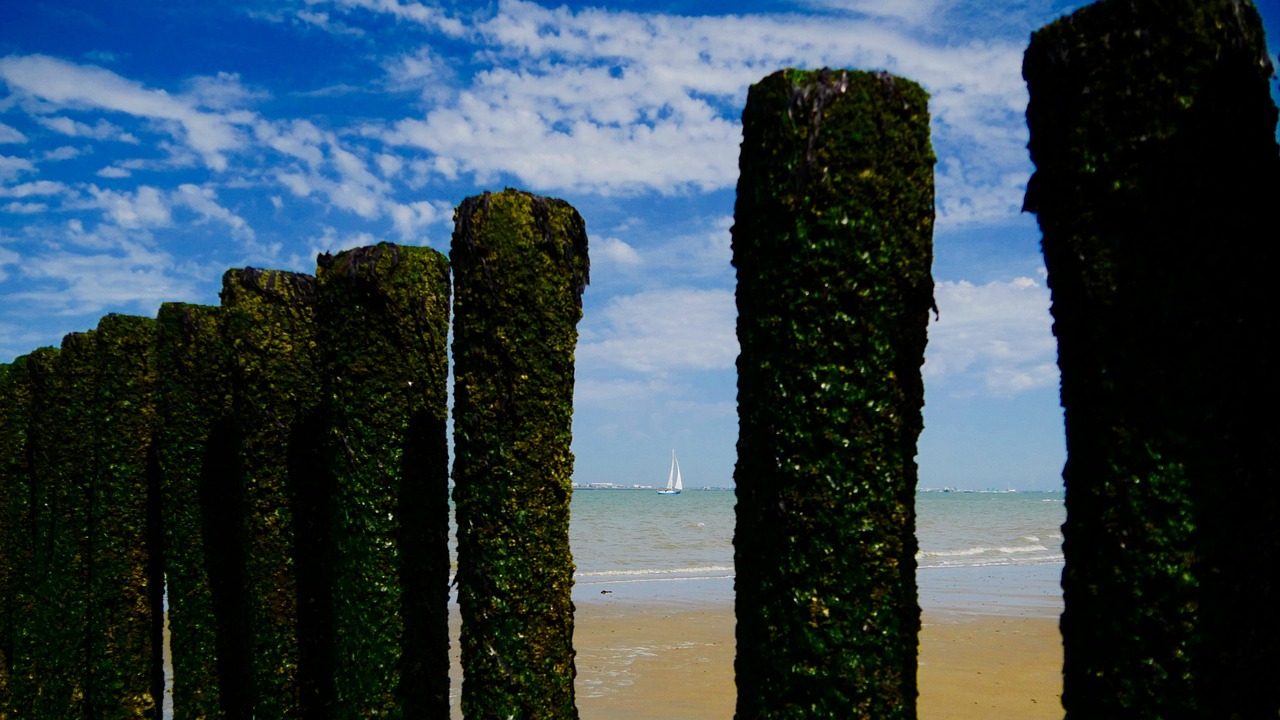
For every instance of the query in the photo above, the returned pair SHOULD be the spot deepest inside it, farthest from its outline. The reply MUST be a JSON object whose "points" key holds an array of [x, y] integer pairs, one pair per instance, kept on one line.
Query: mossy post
{"points": [[32, 378], [270, 328], [126, 575], [16, 547], [520, 266], [383, 317], [200, 478], [832, 240], [64, 422], [1153, 137]]}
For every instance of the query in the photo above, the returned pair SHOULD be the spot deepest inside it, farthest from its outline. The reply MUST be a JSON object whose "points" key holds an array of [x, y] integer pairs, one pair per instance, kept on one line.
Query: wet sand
{"points": [[641, 660]]}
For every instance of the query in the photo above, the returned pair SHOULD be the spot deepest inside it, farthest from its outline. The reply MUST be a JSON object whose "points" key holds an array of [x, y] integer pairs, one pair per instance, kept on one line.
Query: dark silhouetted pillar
{"points": [[1153, 136]]}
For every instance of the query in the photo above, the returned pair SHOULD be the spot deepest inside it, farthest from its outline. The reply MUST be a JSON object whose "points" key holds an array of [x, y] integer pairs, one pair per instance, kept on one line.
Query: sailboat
{"points": [[674, 482]]}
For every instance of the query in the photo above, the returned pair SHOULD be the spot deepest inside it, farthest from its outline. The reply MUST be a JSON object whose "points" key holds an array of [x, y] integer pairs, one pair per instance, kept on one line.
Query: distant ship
{"points": [[674, 482]]}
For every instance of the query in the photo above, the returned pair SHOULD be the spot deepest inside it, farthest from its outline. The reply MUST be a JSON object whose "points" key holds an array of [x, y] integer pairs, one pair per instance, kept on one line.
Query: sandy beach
{"points": [[641, 660], [638, 659]]}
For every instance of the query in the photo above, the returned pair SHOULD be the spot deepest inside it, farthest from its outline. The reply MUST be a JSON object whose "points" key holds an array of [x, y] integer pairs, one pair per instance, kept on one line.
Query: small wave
{"points": [[950, 553], [995, 562], [641, 572], [651, 579], [969, 552]]}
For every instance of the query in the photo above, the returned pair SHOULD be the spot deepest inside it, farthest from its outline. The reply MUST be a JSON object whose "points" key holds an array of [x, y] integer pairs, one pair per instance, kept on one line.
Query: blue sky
{"points": [[147, 146]]}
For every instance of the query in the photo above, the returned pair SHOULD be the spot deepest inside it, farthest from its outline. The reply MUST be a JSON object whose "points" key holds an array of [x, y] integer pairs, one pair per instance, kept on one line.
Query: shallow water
{"points": [[680, 548]]}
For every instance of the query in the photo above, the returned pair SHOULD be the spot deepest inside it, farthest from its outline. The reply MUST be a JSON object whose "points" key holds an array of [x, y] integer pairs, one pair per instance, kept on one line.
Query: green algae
{"points": [[383, 315], [200, 496], [125, 589], [65, 464], [16, 544], [1153, 137], [33, 379], [832, 243], [269, 321], [520, 267]]}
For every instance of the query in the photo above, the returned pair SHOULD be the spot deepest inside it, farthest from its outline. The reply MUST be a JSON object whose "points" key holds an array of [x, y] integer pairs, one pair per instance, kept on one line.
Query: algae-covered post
{"points": [[520, 267], [832, 240], [200, 488], [65, 467], [269, 318], [383, 320], [16, 549], [1153, 137], [126, 585], [31, 379]]}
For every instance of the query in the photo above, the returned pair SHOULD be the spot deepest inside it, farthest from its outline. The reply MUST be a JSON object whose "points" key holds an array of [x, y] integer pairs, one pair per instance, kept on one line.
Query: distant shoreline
{"points": [[718, 488]]}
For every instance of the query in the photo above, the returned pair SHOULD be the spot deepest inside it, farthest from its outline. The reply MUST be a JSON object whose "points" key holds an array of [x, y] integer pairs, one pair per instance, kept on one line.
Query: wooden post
{"points": [[200, 487], [1153, 136], [16, 543], [269, 316], [32, 379], [64, 466], [832, 240], [383, 315], [126, 577], [520, 267]]}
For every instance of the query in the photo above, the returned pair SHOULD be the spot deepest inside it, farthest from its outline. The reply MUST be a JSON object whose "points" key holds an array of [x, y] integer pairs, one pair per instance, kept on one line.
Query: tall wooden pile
{"points": [[520, 267], [1153, 136], [832, 239]]}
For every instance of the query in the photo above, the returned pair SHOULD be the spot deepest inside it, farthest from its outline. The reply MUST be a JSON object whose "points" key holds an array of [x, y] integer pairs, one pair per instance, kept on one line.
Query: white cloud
{"points": [[114, 172], [663, 331], [12, 167], [410, 219], [126, 275], [7, 257], [615, 252], [911, 12], [66, 84], [298, 139], [19, 208], [429, 17], [148, 207], [624, 103], [204, 202], [64, 152], [9, 135], [39, 187], [221, 92], [101, 130], [992, 338], [422, 70]]}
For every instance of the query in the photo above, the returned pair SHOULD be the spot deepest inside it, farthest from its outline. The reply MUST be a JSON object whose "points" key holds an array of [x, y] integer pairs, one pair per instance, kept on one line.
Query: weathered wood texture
{"points": [[16, 542], [383, 315], [65, 466], [832, 240], [201, 498], [125, 578], [1153, 137], [269, 318], [520, 266]]}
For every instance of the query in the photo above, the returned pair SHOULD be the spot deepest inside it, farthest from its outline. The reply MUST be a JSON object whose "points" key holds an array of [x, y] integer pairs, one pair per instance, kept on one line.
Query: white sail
{"points": [[675, 483]]}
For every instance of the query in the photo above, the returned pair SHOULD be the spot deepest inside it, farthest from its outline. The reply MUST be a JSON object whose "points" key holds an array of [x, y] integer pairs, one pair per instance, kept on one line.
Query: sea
{"points": [[980, 552]]}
